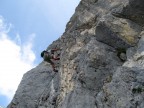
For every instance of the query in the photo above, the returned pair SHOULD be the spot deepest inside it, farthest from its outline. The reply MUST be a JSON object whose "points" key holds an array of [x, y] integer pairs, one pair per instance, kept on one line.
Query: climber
{"points": [[48, 56]]}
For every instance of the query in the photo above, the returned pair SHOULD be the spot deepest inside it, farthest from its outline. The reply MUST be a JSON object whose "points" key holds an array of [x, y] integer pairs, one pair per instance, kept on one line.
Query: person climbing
{"points": [[48, 56]]}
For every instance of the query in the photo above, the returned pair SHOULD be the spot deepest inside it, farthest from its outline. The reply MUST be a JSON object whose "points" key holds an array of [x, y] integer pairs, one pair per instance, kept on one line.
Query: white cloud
{"points": [[15, 60]]}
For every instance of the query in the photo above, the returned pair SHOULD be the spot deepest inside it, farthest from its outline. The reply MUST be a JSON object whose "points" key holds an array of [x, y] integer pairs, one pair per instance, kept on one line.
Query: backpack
{"points": [[47, 56]]}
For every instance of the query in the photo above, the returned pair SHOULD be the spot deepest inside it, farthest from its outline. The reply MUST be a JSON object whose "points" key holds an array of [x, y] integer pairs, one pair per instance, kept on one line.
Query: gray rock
{"points": [[101, 65], [36, 87], [124, 91]]}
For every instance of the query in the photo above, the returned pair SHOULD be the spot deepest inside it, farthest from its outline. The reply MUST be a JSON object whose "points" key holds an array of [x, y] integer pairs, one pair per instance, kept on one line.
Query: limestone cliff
{"points": [[102, 61]]}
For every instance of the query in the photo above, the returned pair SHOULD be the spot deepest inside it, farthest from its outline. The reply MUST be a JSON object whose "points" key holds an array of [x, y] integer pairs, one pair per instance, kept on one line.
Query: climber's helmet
{"points": [[42, 53]]}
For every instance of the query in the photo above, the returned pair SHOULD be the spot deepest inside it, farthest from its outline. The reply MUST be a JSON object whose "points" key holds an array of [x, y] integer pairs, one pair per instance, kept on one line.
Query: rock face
{"points": [[101, 65]]}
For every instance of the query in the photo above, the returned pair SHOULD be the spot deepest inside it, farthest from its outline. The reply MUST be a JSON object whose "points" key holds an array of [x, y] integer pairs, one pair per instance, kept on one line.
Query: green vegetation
{"points": [[137, 90]]}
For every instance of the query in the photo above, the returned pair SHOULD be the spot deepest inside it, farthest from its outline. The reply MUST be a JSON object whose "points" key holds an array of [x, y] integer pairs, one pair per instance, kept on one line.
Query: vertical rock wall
{"points": [[101, 65]]}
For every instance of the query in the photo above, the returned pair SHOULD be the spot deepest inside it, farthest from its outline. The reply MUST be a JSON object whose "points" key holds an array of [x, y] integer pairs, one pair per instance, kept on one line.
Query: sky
{"points": [[27, 27]]}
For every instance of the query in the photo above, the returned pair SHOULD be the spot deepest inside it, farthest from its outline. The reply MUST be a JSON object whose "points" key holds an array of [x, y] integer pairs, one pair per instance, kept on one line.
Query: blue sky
{"points": [[26, 28]]}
